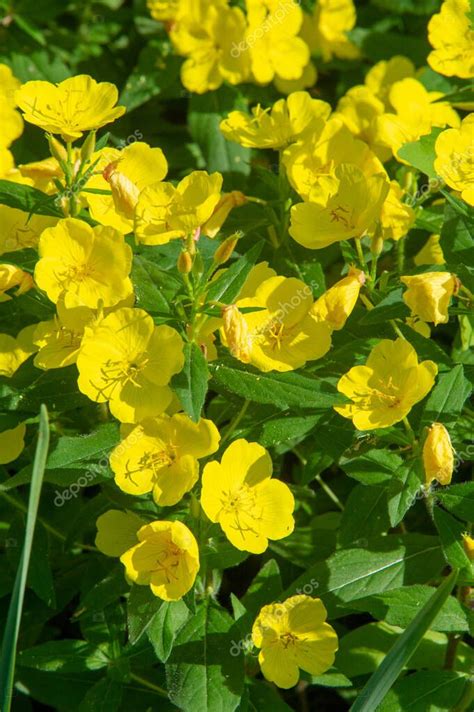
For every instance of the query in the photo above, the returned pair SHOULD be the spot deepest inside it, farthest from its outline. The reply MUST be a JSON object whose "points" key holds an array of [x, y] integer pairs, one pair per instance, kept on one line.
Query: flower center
{"points": [[288, 639], [116, 374], [167, 562], [242, 505]]}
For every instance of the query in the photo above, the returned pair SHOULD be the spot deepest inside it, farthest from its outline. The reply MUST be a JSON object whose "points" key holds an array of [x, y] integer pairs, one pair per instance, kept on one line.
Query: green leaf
{"points": [[391, 307], [12, 625], [450, 532], [165, 626], [79, 450], [365, 515], [363, 649], [421, 153], [104, 696], [201, 674], [142, 606], [447, 398], [373, 467], [149, 284], [156, 71], [281, 389], [190, 384], [458, 499], [384, 563], [400, 606], [265, 588], [205, 114], [229, 283], [382, 680], [403, 489], [28, 199], [433, 690], [458, 245], [64, 656]]}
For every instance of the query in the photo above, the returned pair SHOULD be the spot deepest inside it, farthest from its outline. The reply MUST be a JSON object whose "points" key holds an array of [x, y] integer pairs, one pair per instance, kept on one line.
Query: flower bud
{"points": [[376, 244], [226, 248], [56, 148], [468, 543], [185, 262], [236, 333], [124, 192], [438, 455], [88, 147]]}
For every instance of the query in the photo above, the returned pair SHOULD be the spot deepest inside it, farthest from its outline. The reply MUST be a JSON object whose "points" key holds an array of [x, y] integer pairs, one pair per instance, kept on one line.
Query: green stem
{"points": [[149, 685], [332, 495], [235, 421], [467, 698], [360, 253], [401, 255], [409, 429], [394, 326]]}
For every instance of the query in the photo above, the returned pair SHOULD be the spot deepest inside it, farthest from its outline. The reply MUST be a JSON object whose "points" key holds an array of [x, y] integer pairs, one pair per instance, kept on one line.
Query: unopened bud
{"points": [[236, 333], [438, 455], [56, 149], [124, 191], [185, 262], [226, 248], [227, 202], [88, 147], [376, 245], [468, 543]]}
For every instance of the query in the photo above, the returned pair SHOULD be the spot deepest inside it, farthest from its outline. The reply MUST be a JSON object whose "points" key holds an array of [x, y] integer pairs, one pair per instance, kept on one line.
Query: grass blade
{"points": [[383, 678], [12, 627]]}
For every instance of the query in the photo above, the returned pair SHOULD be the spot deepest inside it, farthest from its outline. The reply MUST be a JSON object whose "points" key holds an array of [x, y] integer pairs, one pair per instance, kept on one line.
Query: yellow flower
{"points": [[164, 9], [84, 265], [165, 213], [272, 40], [428, 295], [239, 494], [359, 108], [117, 531], [161, 455], [125, 173], [431, 253], [129, 361], [384, 390], [288, 119], [468, 543], [71, 107], [438, 455], [337, 303], [452, 38], [166, 559], [454, 160], [381, 76], [10, 277], [7, 164], [11, 123], [326, 30], [415, 114], [396, 217], [311, 163], [12, 442], [421, 327], [282, 335], [294, 635], [20, 230], [59, 339], [8, 85], [351, 210], [209, 34], [14, 351]]}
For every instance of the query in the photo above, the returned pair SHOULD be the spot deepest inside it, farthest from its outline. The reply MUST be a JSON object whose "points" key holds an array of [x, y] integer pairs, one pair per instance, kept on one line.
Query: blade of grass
{"points": [[12, 627], [384, 677]]}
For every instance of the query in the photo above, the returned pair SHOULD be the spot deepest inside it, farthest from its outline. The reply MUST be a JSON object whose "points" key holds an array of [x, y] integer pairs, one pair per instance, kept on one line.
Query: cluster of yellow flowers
{"points": [[334, 160], [272, 41]]}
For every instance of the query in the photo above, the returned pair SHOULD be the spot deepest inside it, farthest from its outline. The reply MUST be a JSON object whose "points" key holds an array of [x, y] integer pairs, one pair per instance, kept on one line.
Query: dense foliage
{"points": [[237, 289]]}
